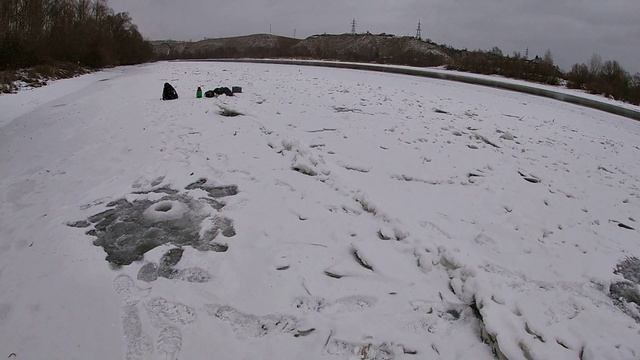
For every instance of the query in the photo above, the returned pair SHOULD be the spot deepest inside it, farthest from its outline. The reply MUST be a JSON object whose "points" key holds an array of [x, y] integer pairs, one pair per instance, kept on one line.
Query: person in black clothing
{"points": [[169, 93]]}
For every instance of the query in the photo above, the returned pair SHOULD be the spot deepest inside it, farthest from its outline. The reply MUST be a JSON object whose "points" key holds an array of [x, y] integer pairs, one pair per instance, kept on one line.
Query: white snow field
{"points": [[344, 215]]}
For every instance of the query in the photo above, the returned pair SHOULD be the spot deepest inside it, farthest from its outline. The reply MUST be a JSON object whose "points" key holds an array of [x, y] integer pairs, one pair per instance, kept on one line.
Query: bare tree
{"points": [[100, 10], [595, 64], [548, 58]]}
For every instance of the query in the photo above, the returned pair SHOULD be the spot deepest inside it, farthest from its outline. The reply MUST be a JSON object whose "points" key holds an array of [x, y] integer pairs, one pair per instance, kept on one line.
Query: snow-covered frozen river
{"points": [[342, 215]]}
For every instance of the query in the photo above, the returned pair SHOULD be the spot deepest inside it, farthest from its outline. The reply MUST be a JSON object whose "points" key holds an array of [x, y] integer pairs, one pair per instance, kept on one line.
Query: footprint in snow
{"points": [[150, 272], [138, 343]]}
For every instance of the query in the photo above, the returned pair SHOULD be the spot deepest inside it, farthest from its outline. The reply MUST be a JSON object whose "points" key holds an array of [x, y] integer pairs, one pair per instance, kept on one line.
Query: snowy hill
{"points": [[258, 45], [361, 47], [342, 215]]}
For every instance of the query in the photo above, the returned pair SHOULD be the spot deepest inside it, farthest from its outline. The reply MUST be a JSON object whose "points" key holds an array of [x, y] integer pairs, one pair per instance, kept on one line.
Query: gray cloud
{"points": [[572, 29]]}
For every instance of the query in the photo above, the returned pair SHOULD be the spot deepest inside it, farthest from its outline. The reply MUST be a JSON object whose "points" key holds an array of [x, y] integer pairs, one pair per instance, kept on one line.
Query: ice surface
{"points": [[344, 215]]}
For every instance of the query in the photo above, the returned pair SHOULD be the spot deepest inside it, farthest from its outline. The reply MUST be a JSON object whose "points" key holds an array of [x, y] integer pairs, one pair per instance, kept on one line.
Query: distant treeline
{"points": [[83, 32], [608, 78], [540, 70]]}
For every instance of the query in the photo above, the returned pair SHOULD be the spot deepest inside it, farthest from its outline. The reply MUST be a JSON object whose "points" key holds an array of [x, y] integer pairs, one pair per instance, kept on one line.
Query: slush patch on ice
{"points": [[128, 230]]}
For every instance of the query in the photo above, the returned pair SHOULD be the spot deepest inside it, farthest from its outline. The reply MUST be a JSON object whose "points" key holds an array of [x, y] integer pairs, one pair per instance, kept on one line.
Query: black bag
{"points": [[223, 91], [209, 94], [169, 93]]}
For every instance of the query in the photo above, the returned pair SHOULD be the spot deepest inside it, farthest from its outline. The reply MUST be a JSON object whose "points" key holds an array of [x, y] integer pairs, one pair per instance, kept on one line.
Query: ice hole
{"points": [[164, 207]]}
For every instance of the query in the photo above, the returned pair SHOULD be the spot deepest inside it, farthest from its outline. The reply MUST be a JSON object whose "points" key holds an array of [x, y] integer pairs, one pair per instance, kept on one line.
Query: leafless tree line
{"points": [[541, 70], [608, 78], [88, 32]]}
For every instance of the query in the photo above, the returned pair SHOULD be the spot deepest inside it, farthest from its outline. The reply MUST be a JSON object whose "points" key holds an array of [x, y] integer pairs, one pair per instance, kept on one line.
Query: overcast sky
{"points": [[572, 29]]}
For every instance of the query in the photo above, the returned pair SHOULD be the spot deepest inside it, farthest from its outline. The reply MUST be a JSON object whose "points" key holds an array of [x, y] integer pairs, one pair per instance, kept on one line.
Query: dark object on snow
{"points": [[209, 94], [223, 91], [228, 112], [169, 93], [625, 226], [236, 90]]}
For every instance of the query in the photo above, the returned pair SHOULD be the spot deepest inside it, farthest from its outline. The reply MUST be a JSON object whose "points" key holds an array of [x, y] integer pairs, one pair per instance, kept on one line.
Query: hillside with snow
{"points": [[381, 48], [338, 214]]}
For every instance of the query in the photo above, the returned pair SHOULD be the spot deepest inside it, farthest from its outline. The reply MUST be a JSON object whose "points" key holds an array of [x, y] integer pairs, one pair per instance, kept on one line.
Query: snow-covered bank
{"points": [[26, 100], [374, 216]]}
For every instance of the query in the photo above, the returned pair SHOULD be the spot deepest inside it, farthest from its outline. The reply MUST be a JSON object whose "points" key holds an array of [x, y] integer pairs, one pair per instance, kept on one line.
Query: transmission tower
{"points": [[419, 31], [353, 27]]}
